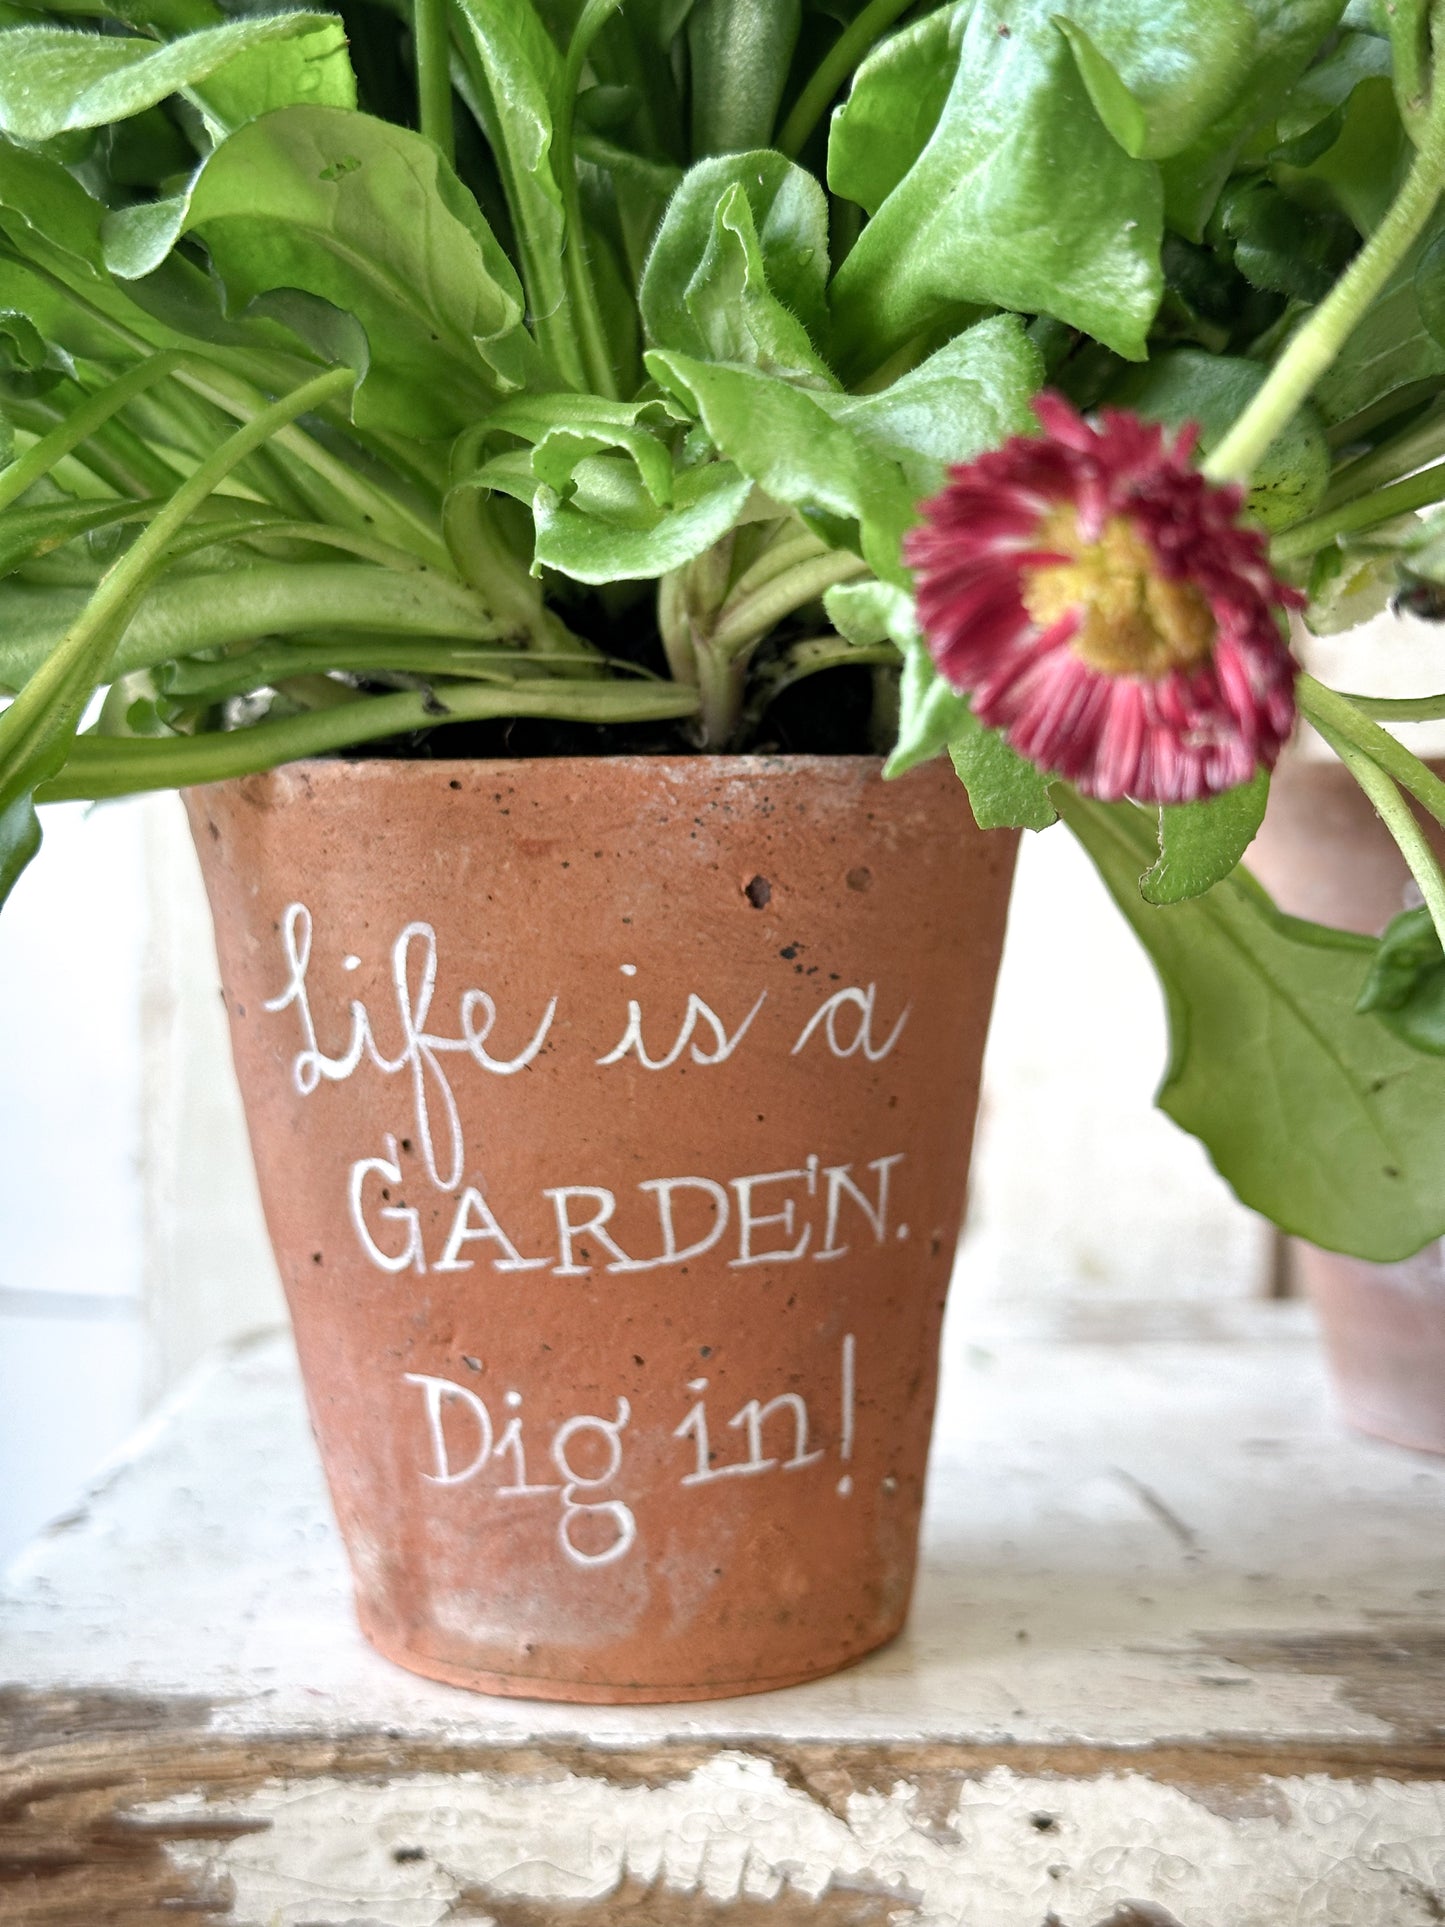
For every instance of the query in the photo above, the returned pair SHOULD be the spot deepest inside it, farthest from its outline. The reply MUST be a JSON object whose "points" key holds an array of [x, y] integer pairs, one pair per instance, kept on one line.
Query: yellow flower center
{"points": [[1133, 621]]}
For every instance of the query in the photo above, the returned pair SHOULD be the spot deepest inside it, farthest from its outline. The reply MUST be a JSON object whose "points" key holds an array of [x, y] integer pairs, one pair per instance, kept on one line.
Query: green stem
{"points": [[1399, 709], [1416, 492], [122, 766], [431, 44], [1399, 820], [34, 729], [348, 494], [1335, 715], [92, 414], [744, 620], [1419, 445], [833, 69], [586, 309], [1320, 339]]}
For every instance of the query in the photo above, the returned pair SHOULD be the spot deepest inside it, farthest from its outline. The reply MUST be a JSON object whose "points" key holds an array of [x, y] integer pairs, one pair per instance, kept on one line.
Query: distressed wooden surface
{"points": [[1178, 1656]]}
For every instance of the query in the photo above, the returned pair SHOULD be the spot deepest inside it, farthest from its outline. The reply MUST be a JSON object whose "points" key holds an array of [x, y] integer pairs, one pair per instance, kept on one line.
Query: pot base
{"points": [[526, 1686]]}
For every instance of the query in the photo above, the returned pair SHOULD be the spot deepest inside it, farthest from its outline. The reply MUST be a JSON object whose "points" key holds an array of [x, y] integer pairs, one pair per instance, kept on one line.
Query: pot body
{"points": [[612, 1120], [1323, 853]]}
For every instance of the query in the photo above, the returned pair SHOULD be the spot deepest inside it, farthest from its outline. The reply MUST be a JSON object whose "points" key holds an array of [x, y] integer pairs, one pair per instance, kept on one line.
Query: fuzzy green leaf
{"points": [[609, 530], [898, 94], [971, 395], [1406, 985], [1319, 1118], [739, 268], [1289, 33], [1184, 385], [1021, 199], [739, 51], [1199, 843], [844, 489], [52, 79], [369, 218], [1159, 73]]}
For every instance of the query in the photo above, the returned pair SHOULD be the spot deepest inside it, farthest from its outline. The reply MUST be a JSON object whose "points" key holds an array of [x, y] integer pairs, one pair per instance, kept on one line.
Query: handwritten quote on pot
{"points": [[812, 1214]]}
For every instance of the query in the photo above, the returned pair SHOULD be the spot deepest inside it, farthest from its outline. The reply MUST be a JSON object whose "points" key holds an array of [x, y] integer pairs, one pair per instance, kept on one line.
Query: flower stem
{"points": [[1313, 348], [1415, 492], [1399, 820], [123, 766], [1399, 709], [38, 727], [82, 422], [833, 69], [432, 46], [586, 309], [1334, 715], [744, 620]]}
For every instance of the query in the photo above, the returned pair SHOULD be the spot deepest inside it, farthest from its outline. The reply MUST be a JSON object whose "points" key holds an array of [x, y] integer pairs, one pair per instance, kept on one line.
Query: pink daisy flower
{"points": [[1106, 610]]}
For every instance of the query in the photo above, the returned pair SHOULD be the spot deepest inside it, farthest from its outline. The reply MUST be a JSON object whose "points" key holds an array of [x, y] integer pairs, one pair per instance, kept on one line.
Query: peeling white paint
{"points": [[1328, 1852]]}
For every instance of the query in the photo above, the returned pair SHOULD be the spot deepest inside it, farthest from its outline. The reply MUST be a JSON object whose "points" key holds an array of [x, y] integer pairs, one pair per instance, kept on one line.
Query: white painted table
{"points": [[1178, 1656]]}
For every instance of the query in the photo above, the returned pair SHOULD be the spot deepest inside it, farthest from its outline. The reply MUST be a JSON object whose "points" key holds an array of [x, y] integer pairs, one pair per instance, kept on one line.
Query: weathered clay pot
{"points": [[612, 1119], [1323, 853]]}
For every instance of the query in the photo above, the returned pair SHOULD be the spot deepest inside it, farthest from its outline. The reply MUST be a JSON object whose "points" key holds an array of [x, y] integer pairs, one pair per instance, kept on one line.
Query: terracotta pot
{"points": [[1323, 853], [612, 1120]]}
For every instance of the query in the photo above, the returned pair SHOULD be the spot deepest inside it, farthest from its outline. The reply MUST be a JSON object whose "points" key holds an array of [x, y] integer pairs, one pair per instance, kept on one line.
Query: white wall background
{"points": [[130, 1235]]}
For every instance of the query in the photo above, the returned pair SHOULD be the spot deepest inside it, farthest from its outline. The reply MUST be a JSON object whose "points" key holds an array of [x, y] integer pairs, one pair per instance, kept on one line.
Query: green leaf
{"points": [[1390, 350], [1004, 791], [368, 217], [1184, 385], [844, 489], [563, 430], [740, 266], [520, 71], [1279, 244], [608, 530], [898, 95], [1289, 33], [1021, 199], [1405, 987], [930, 712], [1329, 83], [739, 52], [1326, 1123], [19, 842], [29, 532], [1199, 843], [52, 79], [1159, 74], [181, 614], [29, 364], [970, 395], [1362, 166]]}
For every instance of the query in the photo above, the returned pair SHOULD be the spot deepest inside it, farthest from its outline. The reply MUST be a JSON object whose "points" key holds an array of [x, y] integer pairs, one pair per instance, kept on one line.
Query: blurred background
{"points": [[132, 1238]]}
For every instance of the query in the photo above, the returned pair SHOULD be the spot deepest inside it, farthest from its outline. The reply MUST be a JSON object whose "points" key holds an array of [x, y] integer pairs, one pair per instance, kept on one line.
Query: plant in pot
{"points": [[476, 452]]}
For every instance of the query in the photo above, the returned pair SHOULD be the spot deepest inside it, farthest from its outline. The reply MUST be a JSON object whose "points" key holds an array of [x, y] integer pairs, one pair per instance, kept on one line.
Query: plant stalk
{"points": [[1398, 819], [124, 766], [92, 414], [38, 726], [1319, 340], [833, 69], [1335, 715], [432, 47], [1420, 491]]}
